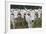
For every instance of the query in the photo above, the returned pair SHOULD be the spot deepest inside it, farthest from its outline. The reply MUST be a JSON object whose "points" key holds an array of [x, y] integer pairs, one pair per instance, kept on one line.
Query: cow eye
{"points": [[12, 14], [28, 14], [24, 14]]}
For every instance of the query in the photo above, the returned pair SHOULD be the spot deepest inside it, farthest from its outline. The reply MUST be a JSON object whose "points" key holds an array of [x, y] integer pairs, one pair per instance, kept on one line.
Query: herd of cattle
{"points": [[28, 14]]}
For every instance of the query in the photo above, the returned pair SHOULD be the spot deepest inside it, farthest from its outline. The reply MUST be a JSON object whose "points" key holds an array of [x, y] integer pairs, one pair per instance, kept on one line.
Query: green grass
{"points": [[21, 23], [37, 23]]}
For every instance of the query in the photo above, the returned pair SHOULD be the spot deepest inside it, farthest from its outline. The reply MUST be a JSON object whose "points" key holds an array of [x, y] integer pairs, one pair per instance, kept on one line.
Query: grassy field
{"points": [[21, 23], [37, 23]]}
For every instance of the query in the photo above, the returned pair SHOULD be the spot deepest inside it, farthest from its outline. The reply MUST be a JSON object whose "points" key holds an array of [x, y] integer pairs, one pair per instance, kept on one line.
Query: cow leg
{"points": [[30, 24], [13, 24]]}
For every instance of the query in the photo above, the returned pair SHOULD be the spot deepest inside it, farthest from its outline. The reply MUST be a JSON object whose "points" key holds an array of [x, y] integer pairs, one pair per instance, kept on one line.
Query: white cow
{"points": [[30, 18], [28, 21], [32, 13], [12, 18], [39, 11], [15, 14], [22, 13]]}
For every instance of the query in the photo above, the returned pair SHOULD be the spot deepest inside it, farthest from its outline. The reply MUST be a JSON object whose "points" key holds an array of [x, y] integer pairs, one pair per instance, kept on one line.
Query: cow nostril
{"points": [[12, 14], [32, 20]]}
